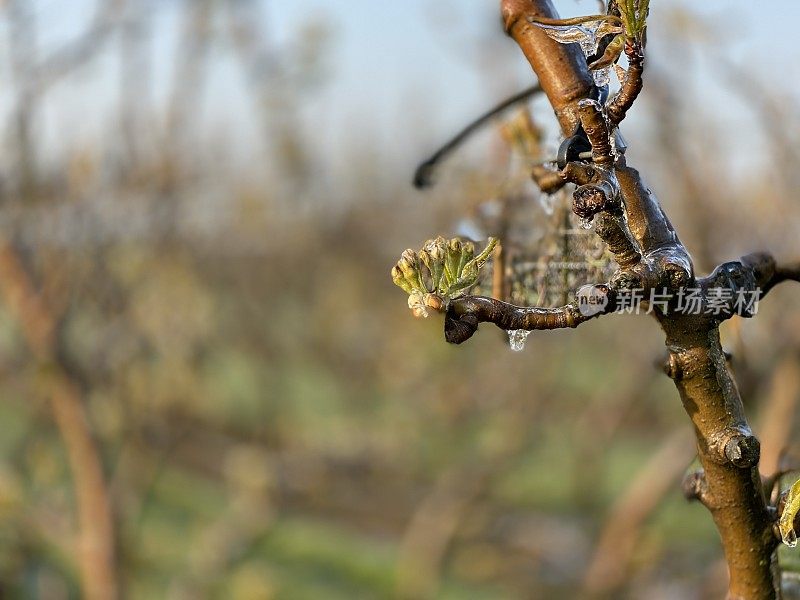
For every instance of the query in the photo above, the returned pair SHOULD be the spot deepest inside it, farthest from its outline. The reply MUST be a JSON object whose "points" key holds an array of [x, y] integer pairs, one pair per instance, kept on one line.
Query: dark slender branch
{"points": [[610, 230], [694, 486], [631, 87], [788, 272], [466, 313], [423, 176]]}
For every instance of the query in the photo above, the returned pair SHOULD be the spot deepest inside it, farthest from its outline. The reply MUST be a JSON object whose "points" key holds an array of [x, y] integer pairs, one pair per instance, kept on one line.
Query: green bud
{"points": [[437, 253], [400, 280], [441, 270], [427, 271], [410, 264], [471, 270], [452, 261], [467, 253]]}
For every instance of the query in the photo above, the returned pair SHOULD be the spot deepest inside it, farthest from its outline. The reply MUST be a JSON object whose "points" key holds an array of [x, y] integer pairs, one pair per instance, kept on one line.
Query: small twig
{"points": [[423, 176], [631, 87], [596, 128], [466, 313]]}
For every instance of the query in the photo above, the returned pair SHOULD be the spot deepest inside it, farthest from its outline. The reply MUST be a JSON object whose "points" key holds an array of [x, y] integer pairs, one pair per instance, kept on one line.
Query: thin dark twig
{"points": [[423, 176]]}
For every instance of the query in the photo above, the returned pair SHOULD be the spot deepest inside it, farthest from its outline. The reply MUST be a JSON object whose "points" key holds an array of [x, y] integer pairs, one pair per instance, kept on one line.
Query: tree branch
{"points": [[727, 449], [96, 552], [561, 68], [464, 314]]}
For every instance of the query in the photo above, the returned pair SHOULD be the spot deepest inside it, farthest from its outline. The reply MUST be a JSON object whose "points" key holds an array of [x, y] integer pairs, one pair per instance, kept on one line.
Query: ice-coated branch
{"points": [[596, 128], [423, 176], [466, 313]]}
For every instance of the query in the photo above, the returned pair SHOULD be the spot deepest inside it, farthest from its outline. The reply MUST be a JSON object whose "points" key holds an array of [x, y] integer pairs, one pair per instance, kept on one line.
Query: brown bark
{"points": [[561, 68], [732, 493]]}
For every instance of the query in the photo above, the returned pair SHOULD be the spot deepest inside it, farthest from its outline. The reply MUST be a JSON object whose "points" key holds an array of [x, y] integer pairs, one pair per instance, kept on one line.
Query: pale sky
{"points": [[408, 73]]}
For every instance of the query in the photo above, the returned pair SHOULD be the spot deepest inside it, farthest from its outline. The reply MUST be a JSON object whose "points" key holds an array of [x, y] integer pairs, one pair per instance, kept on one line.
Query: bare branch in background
{"points": [[96, 539]]}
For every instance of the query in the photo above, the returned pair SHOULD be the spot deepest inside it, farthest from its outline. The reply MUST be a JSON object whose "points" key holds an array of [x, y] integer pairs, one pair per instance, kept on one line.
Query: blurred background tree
{"points": [[198, 337]]}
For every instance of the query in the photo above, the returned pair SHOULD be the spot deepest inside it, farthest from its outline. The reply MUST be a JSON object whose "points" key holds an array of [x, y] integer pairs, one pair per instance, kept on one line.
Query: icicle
{"points": [[516, 339], [602, 77]]}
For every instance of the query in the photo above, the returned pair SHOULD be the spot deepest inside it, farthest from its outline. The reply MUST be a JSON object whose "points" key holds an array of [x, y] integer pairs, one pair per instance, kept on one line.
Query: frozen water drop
{"points": [[589, 45], [516, 339], [585, 224], [602, 77], [547, 202]]}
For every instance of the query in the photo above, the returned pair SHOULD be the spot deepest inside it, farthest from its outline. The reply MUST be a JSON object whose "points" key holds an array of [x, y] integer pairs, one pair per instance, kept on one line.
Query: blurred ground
{"points": [[270, 420]]}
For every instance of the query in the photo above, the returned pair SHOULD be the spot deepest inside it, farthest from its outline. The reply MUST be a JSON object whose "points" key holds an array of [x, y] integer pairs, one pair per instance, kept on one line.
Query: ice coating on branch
{"points": [[602, 77], [585, 35], [588, 35]]}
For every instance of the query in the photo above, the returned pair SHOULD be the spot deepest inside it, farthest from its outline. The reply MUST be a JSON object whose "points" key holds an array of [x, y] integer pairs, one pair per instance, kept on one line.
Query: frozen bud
{"points": [[437, 249], [410, 270], [409, 256], [407, 267], [587, 201], [425, 257], [416, 302]]}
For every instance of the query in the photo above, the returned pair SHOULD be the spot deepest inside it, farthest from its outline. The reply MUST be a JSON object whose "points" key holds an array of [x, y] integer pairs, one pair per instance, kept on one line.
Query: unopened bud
{"points": [[417, 305], [400, 280]]}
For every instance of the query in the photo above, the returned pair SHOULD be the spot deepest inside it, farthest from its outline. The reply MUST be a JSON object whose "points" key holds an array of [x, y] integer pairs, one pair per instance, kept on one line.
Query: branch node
{"points": [[743, 451], [458, 329], [672, 367], [694, 485]]}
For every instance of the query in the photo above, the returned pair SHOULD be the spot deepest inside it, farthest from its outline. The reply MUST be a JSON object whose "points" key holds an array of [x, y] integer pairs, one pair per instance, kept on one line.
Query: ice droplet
{"points": [[585, 224], [547, 202], [789, 537], [589, 45], [602, 77], [516, 339]]}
